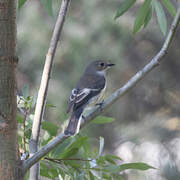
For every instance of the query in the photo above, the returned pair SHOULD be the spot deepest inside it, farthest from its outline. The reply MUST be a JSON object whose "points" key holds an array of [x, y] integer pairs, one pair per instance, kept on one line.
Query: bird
{"points": [[87, 92]]}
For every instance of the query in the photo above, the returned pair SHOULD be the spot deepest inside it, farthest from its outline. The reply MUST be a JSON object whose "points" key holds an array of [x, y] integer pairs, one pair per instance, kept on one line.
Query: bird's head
{"points": [[99, 66]]}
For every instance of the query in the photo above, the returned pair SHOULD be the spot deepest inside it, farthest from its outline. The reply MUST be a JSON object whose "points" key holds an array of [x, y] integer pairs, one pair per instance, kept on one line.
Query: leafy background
{"points": [[145, 123]]}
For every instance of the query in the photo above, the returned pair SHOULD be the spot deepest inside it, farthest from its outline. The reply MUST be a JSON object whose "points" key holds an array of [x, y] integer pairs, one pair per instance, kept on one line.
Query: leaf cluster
{"points": [[76, 157], [145, 13]]}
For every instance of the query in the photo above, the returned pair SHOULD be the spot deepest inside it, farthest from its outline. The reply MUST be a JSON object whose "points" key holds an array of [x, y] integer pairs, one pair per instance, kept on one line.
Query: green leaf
{"points": [[74, 147], [95, 152], [48, 6], [74, 164], [70, 153], [44, 173], [21, 3], [91, 176], [148, 17], [53, 173], [113, 157], [50, 127], [28, 134], [124, 7], [20, 119], [161, 17], [103, 120], [61, 172], [117, 177], [44, 170], [59, 149], [87, 149], [101, 160], [67, 177], [101, 146], [138, 166], [48, 172], [139, 21], [170, 7], [110, 160], [106, 176], [20, 140]]}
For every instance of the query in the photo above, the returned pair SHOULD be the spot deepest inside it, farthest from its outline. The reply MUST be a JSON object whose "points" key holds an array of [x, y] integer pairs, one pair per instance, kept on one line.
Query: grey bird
{"points": [[88, 91]]}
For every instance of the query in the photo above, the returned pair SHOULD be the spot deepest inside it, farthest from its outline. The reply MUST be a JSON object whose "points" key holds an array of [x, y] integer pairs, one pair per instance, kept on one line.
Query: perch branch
{"points": [[114, 97]]}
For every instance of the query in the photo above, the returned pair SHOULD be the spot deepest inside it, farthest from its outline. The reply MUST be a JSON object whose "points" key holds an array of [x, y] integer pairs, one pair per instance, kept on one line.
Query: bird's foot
{"points": [[100, 105], [83, 117], [68, 133]]}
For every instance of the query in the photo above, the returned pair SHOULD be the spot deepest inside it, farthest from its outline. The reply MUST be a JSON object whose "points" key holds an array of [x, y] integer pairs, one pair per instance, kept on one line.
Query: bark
{"points": [[10, 165]]}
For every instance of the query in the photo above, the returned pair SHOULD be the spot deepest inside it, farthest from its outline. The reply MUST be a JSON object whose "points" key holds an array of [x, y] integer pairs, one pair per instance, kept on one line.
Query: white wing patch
{"points": [[78, 96]]}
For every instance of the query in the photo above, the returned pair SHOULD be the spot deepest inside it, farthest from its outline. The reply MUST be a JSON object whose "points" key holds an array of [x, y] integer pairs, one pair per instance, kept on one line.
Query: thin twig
{"points": [[24, 129], [114, 97], [42, 94], [66, 159]]}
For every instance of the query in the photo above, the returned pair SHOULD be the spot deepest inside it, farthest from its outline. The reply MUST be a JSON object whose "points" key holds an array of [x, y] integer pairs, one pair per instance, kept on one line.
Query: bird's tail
{"points": [[74, 123]]}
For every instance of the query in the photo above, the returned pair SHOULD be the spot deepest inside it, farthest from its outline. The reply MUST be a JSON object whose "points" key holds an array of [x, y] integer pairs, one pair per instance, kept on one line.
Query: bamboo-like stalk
{"points": [[42, 94]]}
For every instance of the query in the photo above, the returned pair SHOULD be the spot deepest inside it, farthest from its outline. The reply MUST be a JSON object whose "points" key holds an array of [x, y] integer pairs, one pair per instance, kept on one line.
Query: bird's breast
{"points": [[97, 99]]}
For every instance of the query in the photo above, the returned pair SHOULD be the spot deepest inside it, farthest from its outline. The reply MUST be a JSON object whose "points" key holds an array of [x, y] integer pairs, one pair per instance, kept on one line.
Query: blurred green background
{"points": [[147, 119]]}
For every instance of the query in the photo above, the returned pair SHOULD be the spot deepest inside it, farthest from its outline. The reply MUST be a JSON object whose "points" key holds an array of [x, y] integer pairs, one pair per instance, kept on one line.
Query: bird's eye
{"points": [[102, 64]]}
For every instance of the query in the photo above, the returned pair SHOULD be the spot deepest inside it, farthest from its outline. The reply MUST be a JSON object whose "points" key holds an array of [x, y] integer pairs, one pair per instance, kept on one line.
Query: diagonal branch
{"points": [[114, 97], [42, 94]]}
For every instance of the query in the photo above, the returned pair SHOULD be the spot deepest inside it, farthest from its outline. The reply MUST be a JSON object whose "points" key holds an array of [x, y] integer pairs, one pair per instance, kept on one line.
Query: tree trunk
{"points": [[10, 164]]}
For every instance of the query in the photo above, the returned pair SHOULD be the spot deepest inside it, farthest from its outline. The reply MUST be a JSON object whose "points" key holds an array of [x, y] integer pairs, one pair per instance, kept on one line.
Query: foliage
{"points": [[75, 158], [25, 104], [21, 3], [160, 16], [79, 160], [144, 14]]}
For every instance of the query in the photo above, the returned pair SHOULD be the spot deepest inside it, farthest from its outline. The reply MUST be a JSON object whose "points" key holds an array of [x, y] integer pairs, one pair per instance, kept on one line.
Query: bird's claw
{"points": [[100, 105]]}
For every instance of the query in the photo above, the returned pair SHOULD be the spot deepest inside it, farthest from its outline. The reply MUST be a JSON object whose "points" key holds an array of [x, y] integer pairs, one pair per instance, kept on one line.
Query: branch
{"points": [[42, 94], [114, 97], [66, 159]]}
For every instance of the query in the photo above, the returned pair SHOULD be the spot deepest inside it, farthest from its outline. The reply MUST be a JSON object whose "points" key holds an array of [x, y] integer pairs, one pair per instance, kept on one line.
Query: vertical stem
{"points": [[42, 94]]}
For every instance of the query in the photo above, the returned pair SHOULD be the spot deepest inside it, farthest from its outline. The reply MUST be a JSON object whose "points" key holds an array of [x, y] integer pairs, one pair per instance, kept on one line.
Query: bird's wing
{"points": [[83, 92], [81, 97]]}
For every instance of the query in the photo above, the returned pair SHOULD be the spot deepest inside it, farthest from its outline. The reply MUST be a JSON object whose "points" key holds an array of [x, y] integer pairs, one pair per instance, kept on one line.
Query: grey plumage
{"points": [[87, 91]]}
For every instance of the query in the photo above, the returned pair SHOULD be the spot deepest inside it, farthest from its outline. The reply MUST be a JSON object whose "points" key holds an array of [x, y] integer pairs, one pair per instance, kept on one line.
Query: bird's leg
{"points": [[83, 117], [100, 104]]}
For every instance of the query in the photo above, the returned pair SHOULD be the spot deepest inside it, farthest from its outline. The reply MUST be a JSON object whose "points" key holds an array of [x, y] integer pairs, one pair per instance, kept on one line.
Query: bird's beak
{"points": [[110, 64]]}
